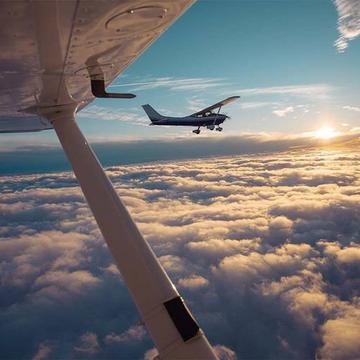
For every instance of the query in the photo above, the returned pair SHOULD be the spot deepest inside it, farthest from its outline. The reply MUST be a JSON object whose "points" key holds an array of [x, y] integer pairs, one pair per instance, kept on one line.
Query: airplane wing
{"points": [[54, 56], [217, 105], [95, 38]]}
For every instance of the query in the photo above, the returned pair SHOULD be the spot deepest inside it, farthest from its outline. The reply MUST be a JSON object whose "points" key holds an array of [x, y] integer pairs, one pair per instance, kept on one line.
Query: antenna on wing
{"points": [[98, 90], [97, 79]]}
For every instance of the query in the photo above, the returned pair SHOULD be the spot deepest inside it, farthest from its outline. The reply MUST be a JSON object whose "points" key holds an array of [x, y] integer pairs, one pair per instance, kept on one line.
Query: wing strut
{"points": [[217, 114], [169, 322]]}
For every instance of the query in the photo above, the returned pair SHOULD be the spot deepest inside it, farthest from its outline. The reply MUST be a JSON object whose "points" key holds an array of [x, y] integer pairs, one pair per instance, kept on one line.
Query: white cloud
{"points": [[193, 282], [224, 353], [348, 22], [43, 352], [134, 333], [219, 248], [88, 344], [151, 354], [341, 337], [59, 284], [349, 255], [283, 112], [352, 108]]}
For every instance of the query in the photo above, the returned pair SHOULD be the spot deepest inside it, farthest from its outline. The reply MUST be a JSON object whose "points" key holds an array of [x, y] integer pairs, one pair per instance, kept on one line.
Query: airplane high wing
{"points": [[218, 105], [56, 57]]}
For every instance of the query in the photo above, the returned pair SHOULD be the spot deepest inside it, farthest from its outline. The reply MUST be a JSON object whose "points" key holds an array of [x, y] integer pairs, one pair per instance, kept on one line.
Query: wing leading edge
{"points": [[217, 105]]}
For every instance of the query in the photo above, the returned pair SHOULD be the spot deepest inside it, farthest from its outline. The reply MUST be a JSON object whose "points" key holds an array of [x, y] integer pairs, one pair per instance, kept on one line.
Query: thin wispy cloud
{"points": [[173, 83], [348, 22], [195, 104], [255, 104], [311, 90], [103, 113]]}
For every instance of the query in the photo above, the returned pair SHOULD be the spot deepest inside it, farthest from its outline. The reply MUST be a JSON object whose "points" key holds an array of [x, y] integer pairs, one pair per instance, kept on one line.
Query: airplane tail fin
{"points": [[151, 113]]}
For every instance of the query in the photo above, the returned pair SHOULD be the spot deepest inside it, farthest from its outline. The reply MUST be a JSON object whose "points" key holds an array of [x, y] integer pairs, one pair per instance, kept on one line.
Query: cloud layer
{"points": [[264, 250]]}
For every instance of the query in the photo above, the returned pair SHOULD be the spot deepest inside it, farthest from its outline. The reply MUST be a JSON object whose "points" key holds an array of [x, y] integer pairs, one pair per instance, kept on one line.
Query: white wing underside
{"points": [[113, 33]]}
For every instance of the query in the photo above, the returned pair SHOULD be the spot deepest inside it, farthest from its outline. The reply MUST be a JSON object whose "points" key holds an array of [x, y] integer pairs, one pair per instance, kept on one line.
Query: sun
{"points": [[325, 132]]}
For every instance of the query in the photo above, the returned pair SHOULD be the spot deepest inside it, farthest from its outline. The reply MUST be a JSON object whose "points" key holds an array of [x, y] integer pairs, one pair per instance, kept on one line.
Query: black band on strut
{"points": [[182, 319]]}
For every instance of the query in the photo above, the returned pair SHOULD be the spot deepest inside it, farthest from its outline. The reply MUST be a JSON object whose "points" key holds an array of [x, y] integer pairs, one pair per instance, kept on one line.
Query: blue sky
{"points": [[279, 56]]}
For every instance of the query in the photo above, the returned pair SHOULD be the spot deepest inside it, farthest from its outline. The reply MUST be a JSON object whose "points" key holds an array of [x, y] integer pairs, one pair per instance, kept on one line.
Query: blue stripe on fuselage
{"points": [[191, 121]]}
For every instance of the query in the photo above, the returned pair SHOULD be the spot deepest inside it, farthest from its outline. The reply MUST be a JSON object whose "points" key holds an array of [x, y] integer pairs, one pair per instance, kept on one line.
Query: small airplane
{"points": [[205, 117]]}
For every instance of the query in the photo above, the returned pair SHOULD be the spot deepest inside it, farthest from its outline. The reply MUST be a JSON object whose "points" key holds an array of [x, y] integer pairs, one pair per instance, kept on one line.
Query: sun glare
{"points": [[325, 133]]}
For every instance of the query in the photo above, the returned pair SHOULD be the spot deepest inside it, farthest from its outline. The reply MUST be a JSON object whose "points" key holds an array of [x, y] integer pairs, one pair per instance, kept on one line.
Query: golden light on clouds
{"points": [[325, 132]]}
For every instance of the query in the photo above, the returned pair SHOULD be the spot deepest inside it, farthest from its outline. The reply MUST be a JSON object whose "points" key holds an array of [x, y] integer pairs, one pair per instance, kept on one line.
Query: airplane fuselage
{"points": [[192, 120]]}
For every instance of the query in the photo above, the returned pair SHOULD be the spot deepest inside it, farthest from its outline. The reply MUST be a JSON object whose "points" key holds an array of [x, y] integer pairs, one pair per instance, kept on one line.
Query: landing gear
{"points": [[219, 128], [197, 131]]}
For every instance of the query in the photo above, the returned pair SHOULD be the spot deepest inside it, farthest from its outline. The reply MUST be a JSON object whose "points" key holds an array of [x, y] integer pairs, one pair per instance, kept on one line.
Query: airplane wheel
{"points": [[196, 132], [219, 129]]}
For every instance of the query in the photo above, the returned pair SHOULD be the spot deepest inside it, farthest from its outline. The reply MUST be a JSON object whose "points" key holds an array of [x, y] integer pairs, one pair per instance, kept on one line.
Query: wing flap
{"points": [[14, 124]]}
